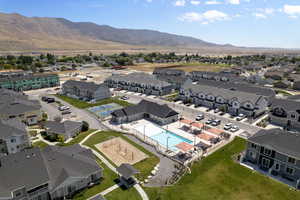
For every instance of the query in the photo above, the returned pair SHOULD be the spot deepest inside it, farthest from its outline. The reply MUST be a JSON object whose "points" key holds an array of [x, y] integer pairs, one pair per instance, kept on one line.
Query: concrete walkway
{"points": [[105, 192]]}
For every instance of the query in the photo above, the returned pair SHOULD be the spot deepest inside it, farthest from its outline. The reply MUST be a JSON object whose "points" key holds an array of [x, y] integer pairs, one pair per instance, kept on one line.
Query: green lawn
{"points": [[40, 144], [83, 105], [145, 166], [120, 194], [218, 177], [108, 181], [78, 138]]}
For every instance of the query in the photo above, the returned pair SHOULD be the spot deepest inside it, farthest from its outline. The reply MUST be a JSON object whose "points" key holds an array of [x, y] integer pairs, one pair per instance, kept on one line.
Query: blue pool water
{"points": [[167, 138]]}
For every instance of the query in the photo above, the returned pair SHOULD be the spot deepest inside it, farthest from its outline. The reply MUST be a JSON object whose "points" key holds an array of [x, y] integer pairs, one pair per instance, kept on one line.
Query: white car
{"points": [[228, 126], [63, 108], [234, 129], [199, 117]]}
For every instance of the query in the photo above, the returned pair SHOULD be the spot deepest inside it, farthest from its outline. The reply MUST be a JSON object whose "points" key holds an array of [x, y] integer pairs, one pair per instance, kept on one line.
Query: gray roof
{"points": [[27, 77], [225, 93], [168, 71], [126, 170], [53, 165], [276, 139], [140, 78], [12, 127], [62, 127], [286, 104], [90, 86], [162, 111]]}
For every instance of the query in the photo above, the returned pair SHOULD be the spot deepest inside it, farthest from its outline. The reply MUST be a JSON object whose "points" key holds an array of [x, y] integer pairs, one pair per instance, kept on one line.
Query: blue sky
{"points": [[265, 23]]}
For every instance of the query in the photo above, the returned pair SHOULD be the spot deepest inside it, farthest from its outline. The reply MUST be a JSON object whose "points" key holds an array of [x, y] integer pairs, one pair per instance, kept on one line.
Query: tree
{"points": [[85, 126], [57, 118]]}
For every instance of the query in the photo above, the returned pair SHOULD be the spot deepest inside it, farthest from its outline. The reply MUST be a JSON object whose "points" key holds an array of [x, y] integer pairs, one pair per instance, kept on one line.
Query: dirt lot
{"points": [[119, 151], [187, 67]]}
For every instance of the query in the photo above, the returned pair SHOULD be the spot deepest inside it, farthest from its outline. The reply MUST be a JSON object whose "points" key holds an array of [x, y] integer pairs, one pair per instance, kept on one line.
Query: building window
{"points": [[267, 152], [253, 145], [13, 140], [291, 160], [252, 155], [265, 163], [290, 170], [293, 116], [277, 167]]}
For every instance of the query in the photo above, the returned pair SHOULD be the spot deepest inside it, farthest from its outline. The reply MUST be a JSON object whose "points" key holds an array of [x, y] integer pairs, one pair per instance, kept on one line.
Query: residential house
{"points": [[48, 174], [85, 90], [17, 105], [285, 113], [216, 76], [141, 83], [168, 71], [29, 82], [231, 101], [13, 136], [275, 75], [276, 152], [67, 129], [160, 114]]}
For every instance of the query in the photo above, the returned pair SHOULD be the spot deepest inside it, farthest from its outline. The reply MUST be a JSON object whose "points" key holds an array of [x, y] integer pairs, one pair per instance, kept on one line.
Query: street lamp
{"points": [[168, 143]]}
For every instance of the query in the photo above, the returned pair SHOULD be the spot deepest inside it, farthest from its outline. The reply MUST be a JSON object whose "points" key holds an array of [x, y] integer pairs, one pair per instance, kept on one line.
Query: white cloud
{"points": [[193, 2], [205, 18], [149, 1], [292, 10], [235, 2], [179, 3], [213, 2], [260, 15], [269, 11]]}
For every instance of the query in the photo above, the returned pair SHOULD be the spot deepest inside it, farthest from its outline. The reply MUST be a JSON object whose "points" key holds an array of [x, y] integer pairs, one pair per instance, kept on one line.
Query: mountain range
{"points": [[20, 33]]}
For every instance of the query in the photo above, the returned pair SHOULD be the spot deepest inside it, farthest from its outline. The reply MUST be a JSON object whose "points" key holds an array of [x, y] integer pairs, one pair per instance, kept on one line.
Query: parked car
{"points": [[63, 108], [228, 126], [216, 122], [50, 100], [240, 117], [199, 117], [66, 112], [209, 121], [208, 109], [45, 98], [216, 110], [234, 129], [124, 98], [222, 113]]}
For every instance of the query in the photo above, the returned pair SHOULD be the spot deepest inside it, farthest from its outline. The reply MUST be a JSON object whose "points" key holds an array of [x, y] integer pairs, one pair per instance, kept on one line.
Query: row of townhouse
{"points": [[231, 101], [141, 83], [85, 90], [29, 82], [51, 173], [216, 76], [276, 152]]}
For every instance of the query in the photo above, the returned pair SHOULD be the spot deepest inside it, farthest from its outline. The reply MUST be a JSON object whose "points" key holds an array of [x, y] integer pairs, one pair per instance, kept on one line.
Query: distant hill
{"points": [[20, 33]]}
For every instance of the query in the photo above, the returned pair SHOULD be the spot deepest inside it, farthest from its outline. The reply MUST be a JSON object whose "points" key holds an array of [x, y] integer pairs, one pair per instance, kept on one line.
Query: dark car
{"points": [[50, 100], [44, 99], [66, 112], [216, 122]]}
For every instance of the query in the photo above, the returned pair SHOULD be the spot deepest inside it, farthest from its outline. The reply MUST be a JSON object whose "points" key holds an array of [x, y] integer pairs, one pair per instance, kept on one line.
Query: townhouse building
{"points": [[48, 174], [231, 101], [85, 90], [215, 76], [29, 82], [141, 83], [276, 152], [15, 105], [285, 113], [13, 137]]}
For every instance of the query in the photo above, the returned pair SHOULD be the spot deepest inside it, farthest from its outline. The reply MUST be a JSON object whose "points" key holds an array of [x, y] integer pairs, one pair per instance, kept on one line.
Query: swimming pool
{"points": [[164, 137]]}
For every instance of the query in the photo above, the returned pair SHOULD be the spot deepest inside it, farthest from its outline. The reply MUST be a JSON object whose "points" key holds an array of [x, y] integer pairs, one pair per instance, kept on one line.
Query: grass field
{"points": [[145, 166], [218, 177], [120, 194], [187, 67], [83, 105], [40, 144], [78, 138]]}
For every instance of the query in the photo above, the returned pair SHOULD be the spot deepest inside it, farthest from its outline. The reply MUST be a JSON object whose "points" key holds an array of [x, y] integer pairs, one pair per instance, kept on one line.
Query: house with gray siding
{"points": [[13, 136], [15, 105], [160, 114], [48, 174], [276, 152], [285, 113], [85, 90], [141, 83], [231, 101], [215, 76]]}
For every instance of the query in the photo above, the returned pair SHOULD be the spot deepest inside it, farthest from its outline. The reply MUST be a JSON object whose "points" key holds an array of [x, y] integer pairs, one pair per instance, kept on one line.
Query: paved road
{"points": [[191, 112]]}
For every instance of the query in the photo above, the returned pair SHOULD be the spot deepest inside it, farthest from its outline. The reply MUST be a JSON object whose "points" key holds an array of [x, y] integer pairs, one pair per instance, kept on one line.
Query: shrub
{"points": [[85, 126]]}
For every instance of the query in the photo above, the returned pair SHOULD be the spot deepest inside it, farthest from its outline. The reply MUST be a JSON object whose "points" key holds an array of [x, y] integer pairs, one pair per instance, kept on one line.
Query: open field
{"points": [[119, 151], [145, 166], [82, 104], [218, 177], [120, 194], [187, 67]]}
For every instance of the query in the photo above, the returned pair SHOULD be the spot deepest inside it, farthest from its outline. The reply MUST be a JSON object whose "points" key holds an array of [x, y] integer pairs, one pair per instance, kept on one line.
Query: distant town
{"points": [[149, 126]]}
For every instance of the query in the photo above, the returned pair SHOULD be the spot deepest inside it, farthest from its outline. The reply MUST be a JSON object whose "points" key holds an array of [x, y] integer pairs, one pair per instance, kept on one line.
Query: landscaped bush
{"points": [[85, 126]]}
